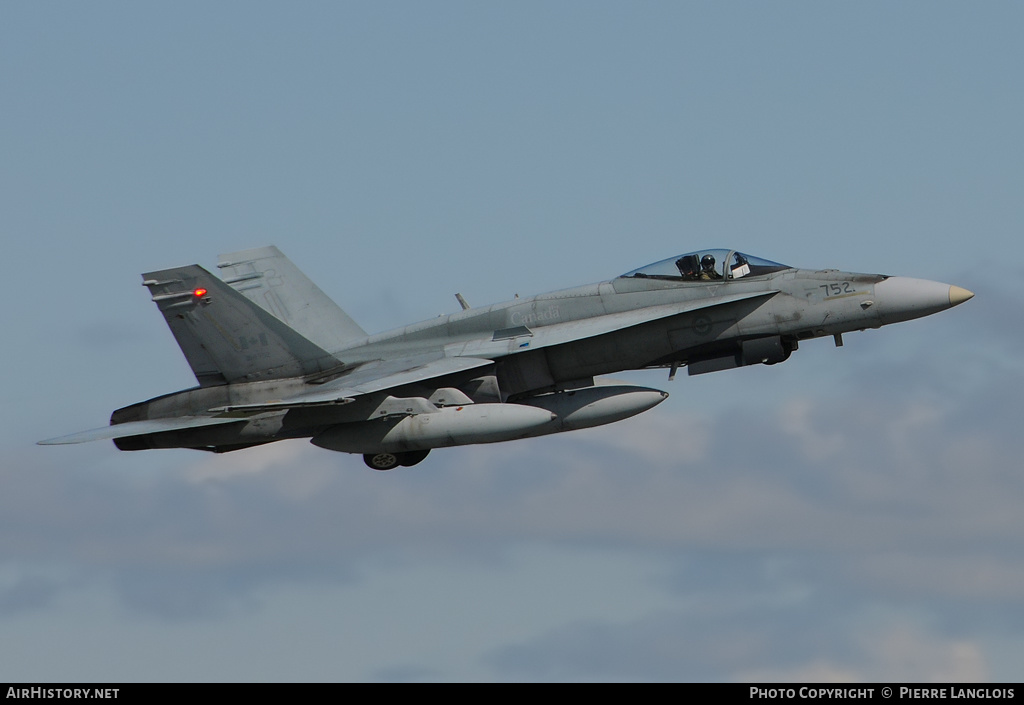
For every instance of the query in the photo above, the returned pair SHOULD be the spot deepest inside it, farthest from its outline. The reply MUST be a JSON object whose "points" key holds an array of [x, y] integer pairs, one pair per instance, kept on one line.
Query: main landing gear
{"points": [[389, 461]]}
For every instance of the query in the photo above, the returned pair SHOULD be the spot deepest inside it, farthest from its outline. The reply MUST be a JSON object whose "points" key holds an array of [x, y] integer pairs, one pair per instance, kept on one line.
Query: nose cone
{"points": [[903, 298], [957, 295]]}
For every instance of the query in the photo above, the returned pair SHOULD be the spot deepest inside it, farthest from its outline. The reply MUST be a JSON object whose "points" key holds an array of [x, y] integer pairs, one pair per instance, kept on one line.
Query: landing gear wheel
{"points": [[410, 458], [381, 461]]}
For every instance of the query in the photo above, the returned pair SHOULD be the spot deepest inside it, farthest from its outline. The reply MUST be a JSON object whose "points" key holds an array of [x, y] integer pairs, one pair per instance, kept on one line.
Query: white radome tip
{"points": [[957, 295]]}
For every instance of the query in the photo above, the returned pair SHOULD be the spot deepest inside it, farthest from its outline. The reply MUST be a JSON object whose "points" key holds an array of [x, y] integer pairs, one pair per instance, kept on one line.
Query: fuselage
{"points": [[543, 354], [799, 304]]}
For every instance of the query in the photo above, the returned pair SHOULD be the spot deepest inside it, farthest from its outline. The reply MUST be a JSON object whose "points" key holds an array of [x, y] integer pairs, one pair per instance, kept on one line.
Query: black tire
{"points": [[381, 461], [410, 458]]}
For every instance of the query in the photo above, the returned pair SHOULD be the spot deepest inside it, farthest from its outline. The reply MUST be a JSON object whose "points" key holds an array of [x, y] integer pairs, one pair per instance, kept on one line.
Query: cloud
{"points": [[863, 471], [813, 640], [895, 653], [782, 517], [28, 592]]}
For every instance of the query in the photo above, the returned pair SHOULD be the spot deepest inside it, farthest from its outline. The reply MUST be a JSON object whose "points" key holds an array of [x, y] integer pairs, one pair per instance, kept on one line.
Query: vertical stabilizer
{"points": [[225, 337], [270, 280]]}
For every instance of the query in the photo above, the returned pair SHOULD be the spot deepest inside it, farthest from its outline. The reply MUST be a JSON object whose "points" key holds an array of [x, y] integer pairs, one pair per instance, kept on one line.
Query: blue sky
{"points": [[853, 514]]}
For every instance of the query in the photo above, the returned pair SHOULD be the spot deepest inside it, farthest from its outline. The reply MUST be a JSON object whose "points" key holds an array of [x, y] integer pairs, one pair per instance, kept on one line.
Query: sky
{"points": [[851, 515]]}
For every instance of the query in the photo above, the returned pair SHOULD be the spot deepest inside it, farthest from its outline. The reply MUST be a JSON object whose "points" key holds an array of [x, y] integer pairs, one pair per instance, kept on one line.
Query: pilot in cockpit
{"points": [[707, 268]]}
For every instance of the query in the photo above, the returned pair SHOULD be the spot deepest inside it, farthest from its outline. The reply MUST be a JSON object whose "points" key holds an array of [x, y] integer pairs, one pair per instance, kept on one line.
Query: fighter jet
{"points": [[275, 358]]}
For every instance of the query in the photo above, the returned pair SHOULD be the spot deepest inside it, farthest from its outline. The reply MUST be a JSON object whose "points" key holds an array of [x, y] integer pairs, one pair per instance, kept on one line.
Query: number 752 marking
{"points": [[837, 289]]}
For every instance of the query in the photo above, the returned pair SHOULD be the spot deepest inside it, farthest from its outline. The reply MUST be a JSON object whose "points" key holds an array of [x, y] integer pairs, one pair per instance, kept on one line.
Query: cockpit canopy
{"points": [[707, 265]]}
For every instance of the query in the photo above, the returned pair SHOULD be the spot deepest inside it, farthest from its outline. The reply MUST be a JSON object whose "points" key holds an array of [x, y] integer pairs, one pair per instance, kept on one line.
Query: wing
{"points": [[368, 379], [377, 376], [384, 375], [377, 379], [569, 331], [139, 428]]}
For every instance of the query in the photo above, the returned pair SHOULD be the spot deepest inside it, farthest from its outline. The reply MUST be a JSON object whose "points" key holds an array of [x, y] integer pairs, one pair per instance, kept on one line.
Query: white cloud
{"points": [[900, 653]]}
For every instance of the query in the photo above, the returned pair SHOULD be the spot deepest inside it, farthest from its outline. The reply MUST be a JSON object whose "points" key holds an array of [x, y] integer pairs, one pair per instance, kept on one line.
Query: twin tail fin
{"points": [[224, 336]]}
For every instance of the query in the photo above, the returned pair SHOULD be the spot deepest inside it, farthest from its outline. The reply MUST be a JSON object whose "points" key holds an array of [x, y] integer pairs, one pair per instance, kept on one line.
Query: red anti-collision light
{"points": [[199, 293]]}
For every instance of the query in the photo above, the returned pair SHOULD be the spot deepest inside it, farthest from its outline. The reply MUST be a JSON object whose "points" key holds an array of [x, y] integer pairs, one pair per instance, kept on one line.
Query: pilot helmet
{"points": [[707, 262]]}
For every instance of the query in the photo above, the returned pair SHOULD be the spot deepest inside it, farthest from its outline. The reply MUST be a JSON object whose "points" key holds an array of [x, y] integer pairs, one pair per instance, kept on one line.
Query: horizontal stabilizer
{"points": [[140, 428]]}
